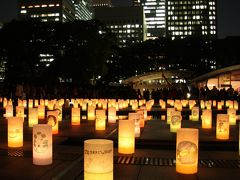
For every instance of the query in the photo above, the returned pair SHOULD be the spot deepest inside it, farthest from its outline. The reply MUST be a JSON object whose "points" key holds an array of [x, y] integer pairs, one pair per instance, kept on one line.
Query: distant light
{"points": [[100, 32], [23, 11], [188, 95], [120, 81]]}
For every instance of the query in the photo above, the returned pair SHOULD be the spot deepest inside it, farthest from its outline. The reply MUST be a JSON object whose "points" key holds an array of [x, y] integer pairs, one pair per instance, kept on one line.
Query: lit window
{"points": [[23, 11]]}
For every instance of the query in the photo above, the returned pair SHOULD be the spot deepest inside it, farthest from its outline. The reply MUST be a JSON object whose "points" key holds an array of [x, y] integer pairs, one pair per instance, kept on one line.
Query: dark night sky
{"points": [[228, 14]]}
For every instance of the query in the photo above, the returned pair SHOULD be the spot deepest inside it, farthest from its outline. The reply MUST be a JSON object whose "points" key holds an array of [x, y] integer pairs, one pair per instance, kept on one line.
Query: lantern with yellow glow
{"points": [[84, 106], [184, 102], [206, 119], [42, 102], [76, 114], [136, 118], [112, 117], [195, 114], [30, 103], [202, 104], [169, 114], [163, 117], [59, 110], [208, 105], [134, 105], [142, 120], [126, 137], [20, 112], [235, 105], [52, 119], [5, 102], [214, 103], [91, 113], [231, 104], [232, 116], [187, 151], [9, 111], [25, 103], [41, 112], [219, 105], [104, 105], [36, 103], [75, 103], [176, 119], [144, 111], [222, 127], [50, 105], [46, 102], [42, 144], [98, 159], [20, 102], [100, 123], [32, 116], [15, 132]]}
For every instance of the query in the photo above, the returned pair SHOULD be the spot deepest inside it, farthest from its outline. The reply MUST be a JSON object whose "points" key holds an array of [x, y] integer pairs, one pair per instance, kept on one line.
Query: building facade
{"points": [[83, 10], [154, 11], [191, 18], [128, 23], [101, 3], [45, 10]]}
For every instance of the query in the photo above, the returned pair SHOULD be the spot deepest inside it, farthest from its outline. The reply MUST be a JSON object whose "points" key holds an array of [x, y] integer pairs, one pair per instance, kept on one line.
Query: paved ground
{"points": [[154, 157]]}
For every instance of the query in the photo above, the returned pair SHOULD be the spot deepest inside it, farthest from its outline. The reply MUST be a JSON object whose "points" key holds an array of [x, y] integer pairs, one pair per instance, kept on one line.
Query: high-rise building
{"points": [[83, 11], [191, 18], [45, 10], [101, 3], [154, 11], [128, 23]]}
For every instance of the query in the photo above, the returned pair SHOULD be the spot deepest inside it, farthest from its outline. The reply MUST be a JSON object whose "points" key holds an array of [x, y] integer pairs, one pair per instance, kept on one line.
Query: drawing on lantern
{"points": [[40, 142], [176, 120], [187, 152], [52, 120], [15, 133], [222, 126]]}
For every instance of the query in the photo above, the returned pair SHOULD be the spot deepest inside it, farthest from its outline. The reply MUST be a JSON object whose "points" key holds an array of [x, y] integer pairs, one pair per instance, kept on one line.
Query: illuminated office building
{"points": [[191, 18], [82, 10], [154, 11], [101, 3], [45, 10], [128, 23]]}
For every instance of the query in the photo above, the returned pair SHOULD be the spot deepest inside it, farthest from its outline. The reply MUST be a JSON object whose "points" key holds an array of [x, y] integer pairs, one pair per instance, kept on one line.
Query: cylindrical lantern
{"points": [[206, 119], [15, 132], [176, 119], [98, 159], [144, 111], [126, 137], [235, 105], [219, 105], [222, 127], [41, 112], [42, 102], [91, 113], [30, 103], [163, 117], [136, 118], [36, 103], [112, 115], [9, 111], [59, 110], [142, 120], [84, 106], [32, 116], [42, 144], [195, 114], [169, 114], [232, 116], [20, 112], [52, 119], [187, 151], [100, 123], [76, 116]]}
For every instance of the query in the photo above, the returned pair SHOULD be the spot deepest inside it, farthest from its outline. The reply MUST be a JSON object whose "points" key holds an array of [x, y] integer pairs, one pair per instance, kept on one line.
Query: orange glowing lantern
{"points": [[219, 105], [32, 116], [41, 112], [222, 127], [15, 132], [91, 113], [202, 104], [169, 114], [52, 119], [112, 115], [144, 111], [126, 137], [187, 151], [206, 119], [142, 120], [76, 114], [136, 118], [9, 111], [235, 105], [176, 119], [84, 106], [36, 103], [195, 114], [59, 110], [30, 103], [100, 123], [20, 112], [232, 116], [42, 144]]}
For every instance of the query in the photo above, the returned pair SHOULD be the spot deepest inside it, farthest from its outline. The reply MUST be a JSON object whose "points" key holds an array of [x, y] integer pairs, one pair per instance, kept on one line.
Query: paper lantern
{"points": [[214, 103], [206, 119], [136, 118], [235, 105], [45, 102], [169, 114], [20, 112], [126, 137], [163, 117], [100, 123], [98, 159], [178, 105], [76, 114], [32, 116], [144, 112], [134, 105], [232, 116], [9, 111], [112, 115], [36, 103], [50, 105], [30, 103], [41, 112], [222, 127], [20, 102], [187, 151], [208, 105], [176, 119], [84, 106], [219, 105], [42, 144], [195, 114], [91, 113], [202, 104], [15, 132], [52, 119], [59, 110], [141, 115]]}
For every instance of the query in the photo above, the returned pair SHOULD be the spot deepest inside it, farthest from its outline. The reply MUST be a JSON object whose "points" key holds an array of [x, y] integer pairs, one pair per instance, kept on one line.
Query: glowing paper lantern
{"points": [[222, 127], [169, 114], [206, 119], [176, 119], [30, 103], [235, 105], [195, 114], [134, 105], [15, 132], [41, 112], [208, 105], [32, 116], [232, 116], [144, 112], [187, 151], [9, 111], [112, 116], [219, 105], [52, 119], [126, 137], [76, 114], [91, 113], [59, 110], [141, 115], [36, 103], [98, 159], [202, 104], [163, 117], [50, 105], [136, 118], [42, 144], [100, 123], [84, 106], [20, 112], [214, 103]]}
